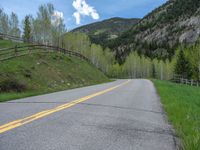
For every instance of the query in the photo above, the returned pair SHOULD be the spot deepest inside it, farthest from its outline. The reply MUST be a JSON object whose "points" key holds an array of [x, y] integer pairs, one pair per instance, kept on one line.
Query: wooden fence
{"points": [[17, 51], [182, 80]]}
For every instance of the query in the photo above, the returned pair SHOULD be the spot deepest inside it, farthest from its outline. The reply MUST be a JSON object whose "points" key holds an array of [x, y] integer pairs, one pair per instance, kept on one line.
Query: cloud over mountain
{"points": [[83, 9]]}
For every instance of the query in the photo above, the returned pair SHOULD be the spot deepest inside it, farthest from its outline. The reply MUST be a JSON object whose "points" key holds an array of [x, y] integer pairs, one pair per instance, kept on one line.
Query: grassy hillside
{"points": [[102, 32], [182, 104], [9, 43], [42, 73]]}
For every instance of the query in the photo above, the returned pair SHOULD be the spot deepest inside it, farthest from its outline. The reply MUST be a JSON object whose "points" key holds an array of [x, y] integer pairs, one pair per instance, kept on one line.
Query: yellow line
{"points": [[20, 122]]}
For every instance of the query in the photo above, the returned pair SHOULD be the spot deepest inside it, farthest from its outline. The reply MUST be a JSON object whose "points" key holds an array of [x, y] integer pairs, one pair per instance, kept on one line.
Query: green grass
{"points": [[9, 43], [47, 72], [182, 104]]}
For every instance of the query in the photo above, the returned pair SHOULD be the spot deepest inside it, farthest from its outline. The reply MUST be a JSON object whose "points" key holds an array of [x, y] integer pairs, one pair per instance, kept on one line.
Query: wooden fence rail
{"points": [[182, 80]]}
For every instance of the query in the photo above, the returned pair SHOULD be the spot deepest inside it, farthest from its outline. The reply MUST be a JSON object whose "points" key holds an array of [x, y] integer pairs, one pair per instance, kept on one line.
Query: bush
{"points": [[12, 85], [27, 73]]}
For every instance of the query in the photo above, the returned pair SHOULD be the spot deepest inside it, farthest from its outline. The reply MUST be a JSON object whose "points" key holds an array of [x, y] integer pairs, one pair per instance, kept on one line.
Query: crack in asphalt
{"points": [[90, 104], [156, 131], [120, 107]]}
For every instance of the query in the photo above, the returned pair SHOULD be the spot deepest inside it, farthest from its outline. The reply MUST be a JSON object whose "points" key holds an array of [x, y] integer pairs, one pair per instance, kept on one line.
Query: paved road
{"points": [[121, 115]]}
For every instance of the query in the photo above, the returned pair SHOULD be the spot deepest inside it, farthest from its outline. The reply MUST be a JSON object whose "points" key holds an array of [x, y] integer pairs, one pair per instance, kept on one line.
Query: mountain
{"points": [[161, 31], [102, 32]]}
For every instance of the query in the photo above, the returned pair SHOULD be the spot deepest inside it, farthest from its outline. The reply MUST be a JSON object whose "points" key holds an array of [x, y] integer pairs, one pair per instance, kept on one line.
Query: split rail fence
{"points": [[17, 51], [182, 80]]}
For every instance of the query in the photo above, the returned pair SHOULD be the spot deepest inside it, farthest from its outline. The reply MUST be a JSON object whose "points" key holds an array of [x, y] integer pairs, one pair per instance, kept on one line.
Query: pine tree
{"points": [[183, 66], [27, 30]]}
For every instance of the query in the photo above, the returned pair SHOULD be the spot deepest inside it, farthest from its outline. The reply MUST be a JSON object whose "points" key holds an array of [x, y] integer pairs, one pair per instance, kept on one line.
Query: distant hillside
{"points": [[102, 32], [159, 33]]}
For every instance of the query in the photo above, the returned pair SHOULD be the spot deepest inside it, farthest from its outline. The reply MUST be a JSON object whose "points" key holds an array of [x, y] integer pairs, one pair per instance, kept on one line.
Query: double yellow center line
{"points": [[20, 122]]}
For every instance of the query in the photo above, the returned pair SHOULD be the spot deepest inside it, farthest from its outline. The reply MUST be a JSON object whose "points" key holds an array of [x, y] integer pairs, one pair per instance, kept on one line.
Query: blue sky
{"points": [[87, 11]]}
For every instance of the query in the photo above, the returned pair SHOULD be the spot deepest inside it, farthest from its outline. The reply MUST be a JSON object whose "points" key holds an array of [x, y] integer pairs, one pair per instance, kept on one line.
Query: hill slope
{"points": [[159, 33], [102, 32], [45, 72]]}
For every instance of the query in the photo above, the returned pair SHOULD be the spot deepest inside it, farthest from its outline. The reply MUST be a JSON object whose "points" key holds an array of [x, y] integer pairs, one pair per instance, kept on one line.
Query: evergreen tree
{"points": [[27, 30], [182, 66]]}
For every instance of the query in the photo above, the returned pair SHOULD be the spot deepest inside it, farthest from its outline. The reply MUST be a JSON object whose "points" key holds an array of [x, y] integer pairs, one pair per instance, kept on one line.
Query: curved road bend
{"points": [[121, 115]]}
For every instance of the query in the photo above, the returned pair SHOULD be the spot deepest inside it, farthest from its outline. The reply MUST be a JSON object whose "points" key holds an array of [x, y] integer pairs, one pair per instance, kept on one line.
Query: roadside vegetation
{"points": [[43, 73], [182, 104], [9, 44]]}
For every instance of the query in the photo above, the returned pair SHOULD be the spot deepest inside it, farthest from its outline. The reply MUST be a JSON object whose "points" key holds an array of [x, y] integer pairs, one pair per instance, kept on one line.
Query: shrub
{"points": [[12, 85]]}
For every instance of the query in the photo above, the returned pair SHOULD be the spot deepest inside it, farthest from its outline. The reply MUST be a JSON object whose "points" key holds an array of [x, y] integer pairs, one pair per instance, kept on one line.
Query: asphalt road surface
{"points": [[121, 115]]}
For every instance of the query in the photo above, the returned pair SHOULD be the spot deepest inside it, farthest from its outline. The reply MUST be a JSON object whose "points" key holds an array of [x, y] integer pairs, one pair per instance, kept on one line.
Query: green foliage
{"points": [[157, 34], [139, 66], [182, 104], [193, 56], [153, 71], [185, 62], [14, 25], [179, 7], [27, 30], [101, 32], [11, 85], [182, 66], [46, 27], [9, 24], [9, 43], [80, 42], [4, 22]]}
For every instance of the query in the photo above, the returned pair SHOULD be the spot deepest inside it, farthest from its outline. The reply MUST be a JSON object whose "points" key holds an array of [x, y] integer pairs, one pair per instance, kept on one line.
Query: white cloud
{"points": [[56, 17], [82, 8], [58, 14], [78, 17]]}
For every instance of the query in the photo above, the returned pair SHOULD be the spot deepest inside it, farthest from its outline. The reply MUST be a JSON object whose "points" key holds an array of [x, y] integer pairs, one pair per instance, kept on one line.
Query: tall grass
{"points": [[182, 104]]}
